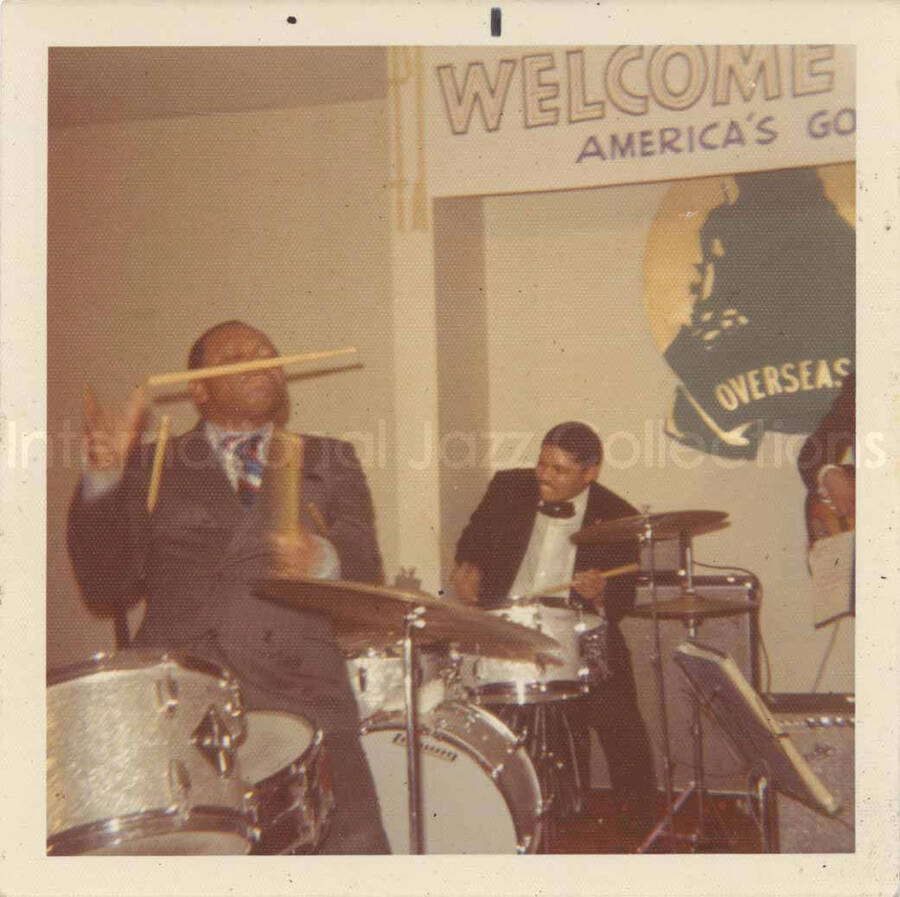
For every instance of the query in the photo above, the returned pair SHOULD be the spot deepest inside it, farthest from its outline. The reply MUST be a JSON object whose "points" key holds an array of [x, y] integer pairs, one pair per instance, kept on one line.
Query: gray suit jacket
{"points": [[195, 558]]}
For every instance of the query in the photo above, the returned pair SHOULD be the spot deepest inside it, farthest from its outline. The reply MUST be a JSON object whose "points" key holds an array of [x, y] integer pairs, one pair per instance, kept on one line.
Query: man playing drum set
{"points": [[195, 556], [517, 543]]}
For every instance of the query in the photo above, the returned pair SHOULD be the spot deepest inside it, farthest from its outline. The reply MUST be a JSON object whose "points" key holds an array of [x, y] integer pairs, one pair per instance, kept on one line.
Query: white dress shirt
{"points": [[550, 556]]}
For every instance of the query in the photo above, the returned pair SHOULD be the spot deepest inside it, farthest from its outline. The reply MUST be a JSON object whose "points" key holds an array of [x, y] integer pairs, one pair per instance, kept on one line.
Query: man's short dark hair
{"points": [[196, 354], [579, 440]]}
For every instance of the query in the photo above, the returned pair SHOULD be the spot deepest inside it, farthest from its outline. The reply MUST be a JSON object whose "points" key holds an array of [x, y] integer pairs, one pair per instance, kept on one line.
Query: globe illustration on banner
{"points": [[749, 285]]}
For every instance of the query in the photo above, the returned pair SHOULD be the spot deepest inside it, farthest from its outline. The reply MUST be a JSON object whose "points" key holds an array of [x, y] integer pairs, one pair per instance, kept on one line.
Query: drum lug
{"points": [[179, 784], [235, 704], [167, 695], [214, 740], [250, 808]]}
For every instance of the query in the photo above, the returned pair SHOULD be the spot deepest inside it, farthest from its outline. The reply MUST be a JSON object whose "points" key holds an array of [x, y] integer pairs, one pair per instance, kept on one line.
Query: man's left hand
{"points": [[590, 584]]}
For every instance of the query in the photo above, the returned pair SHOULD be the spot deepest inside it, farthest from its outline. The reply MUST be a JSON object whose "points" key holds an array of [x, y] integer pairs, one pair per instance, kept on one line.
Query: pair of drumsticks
{"points": [[289, 443], [292, 448], [571, 583]]}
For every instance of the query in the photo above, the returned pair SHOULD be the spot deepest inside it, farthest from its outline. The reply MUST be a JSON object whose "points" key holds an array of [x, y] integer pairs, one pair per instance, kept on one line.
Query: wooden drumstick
{"points": [[318, 519], [162, 438], [284, 467], [242, 367], [607, 574]]}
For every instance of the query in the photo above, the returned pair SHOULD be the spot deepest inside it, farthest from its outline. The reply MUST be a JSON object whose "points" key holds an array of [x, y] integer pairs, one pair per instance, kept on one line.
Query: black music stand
{"points": [[773, 762]]}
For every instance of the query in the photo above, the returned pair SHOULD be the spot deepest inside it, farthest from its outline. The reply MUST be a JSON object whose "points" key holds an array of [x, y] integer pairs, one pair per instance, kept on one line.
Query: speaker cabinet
{"points": [[735, 635], [822, 728], [666, 556]]}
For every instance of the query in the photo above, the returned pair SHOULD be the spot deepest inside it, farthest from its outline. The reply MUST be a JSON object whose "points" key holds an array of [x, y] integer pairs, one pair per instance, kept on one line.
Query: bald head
{"points": [[237, 401]]}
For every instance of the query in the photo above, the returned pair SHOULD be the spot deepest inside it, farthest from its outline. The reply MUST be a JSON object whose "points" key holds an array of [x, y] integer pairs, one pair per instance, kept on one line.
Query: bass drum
{"points": [[479, 790], [142, 758]]}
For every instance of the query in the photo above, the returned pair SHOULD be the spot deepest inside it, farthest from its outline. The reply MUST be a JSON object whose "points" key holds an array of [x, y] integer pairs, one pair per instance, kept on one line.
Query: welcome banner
{"points": [[535, 118]]}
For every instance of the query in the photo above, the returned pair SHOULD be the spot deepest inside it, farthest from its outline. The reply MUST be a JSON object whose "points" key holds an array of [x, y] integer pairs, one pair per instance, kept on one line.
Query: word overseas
{"points": [[557, 86]]}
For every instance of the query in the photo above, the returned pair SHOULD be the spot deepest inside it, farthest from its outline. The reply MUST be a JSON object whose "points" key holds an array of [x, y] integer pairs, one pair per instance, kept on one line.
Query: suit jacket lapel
{"points": [[584, 554], [519, 529], [200, 476]]}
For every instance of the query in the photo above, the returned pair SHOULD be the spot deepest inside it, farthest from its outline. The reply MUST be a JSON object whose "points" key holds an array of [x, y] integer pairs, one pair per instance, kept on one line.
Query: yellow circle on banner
{"points": [[673, 262]]}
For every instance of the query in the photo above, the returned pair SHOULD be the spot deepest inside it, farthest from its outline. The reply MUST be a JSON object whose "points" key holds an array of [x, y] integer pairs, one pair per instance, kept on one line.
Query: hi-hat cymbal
{"points": [[665, 525], [365, 616], [687, 607]]}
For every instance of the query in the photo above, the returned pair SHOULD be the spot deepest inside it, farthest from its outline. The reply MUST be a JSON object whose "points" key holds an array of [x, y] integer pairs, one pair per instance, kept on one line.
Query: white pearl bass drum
{"points": [[479, 789]]}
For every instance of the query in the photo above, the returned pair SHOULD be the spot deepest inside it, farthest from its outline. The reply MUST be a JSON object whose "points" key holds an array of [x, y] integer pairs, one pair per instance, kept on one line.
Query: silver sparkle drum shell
{"points": [[479, 790], [491, 680], [141, 757], [376, 678]]}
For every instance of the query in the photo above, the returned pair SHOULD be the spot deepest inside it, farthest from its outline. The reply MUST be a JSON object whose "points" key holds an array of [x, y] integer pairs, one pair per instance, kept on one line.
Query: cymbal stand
{"points": [[688, 553], [415, 619], [667, 824], [697, 787]]}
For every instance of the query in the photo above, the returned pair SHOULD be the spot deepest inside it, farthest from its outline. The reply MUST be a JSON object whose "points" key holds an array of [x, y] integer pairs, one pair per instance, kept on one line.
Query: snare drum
{"points": [[376, 678], [479, 790], [493, 681], [141, 758], [283, 756]]}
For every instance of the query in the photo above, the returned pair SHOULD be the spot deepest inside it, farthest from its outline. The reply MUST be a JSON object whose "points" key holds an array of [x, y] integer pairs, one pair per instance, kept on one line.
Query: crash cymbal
{"points": [[687, 607], [365, 616], [664, 525]]}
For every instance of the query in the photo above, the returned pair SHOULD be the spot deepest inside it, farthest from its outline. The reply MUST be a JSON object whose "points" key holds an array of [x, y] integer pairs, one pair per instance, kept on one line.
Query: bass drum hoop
{"points": [[429, 724], [125, 830]]}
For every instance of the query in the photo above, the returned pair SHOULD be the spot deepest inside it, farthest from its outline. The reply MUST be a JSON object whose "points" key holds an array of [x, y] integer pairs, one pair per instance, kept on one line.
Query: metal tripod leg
{"points": [[546, 735], [697, 788], [577, 785]]}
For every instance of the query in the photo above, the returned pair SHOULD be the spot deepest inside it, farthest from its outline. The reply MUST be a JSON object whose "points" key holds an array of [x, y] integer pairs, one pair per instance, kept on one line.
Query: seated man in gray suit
{"points": [[195, 557]]}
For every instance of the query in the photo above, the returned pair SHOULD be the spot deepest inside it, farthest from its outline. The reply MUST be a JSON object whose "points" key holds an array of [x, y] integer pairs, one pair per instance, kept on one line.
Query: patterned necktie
{"points": [[249, 465]]}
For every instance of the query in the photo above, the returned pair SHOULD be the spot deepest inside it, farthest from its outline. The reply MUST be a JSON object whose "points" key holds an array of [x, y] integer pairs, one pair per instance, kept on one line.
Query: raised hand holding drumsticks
{"points": [[110, 435]]}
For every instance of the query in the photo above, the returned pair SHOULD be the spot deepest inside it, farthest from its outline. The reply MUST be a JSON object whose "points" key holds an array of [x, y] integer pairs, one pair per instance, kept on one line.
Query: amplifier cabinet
{"points": [[822, 728], [735, 635]]}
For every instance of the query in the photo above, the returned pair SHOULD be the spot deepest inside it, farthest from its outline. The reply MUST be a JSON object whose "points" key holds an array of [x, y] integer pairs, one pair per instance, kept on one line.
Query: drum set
{"points": [[153, 753]]}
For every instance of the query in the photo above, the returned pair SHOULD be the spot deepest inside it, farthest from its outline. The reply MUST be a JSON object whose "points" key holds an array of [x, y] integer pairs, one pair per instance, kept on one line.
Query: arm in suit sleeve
{"points": [[351, 518], [832, 438], [108, 539], [619, 594], [474, 545]]}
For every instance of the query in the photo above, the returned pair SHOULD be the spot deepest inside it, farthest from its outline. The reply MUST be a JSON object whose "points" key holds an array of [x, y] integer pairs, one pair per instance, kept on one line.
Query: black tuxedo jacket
{"points": [[195, 558], [497, 535]]}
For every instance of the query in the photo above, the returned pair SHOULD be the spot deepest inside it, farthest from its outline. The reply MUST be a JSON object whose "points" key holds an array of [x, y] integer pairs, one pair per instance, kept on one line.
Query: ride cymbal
{"points": [[665, 525], [375, 616]]}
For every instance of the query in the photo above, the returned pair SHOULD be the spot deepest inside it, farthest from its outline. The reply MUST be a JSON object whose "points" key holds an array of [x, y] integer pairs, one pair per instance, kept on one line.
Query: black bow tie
{"points": [[558, 509]]}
